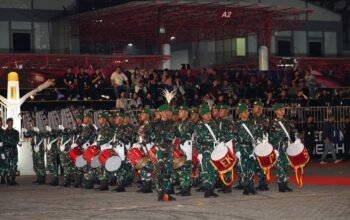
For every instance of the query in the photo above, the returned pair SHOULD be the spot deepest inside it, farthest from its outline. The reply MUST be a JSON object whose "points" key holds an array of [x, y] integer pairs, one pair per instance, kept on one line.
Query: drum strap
{"points": [[284, 129], [248, 131], [210, 131]]}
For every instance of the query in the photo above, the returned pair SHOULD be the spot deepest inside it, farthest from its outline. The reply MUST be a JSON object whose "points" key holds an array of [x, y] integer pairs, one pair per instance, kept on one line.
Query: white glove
{"points": [[61, 127], [1, 144], [277, 154], [24, 130], [36, 129], [48, 128], [238, 155], [3, 156], [252, 156]]}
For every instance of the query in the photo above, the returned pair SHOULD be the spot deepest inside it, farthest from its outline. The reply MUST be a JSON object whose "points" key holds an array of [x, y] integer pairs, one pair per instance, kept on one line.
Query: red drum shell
{"points": [[179, 159], [194, 157], [265, 155], [137, 158], [90, 153], [74, 153], [152, 154], [297, 155], [110, 160], [222, 159]]}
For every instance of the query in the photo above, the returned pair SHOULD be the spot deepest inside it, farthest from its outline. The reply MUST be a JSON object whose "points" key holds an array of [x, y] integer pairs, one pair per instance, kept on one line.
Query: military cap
{"points": [[277, 106], [242, 108], [259, 103]]}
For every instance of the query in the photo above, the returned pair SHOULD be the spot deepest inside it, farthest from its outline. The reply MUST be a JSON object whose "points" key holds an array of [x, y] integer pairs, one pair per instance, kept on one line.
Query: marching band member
{"points": [[205, 141], [184, 132], [3, 163], [68, 166], [261, 123], [105, 134], [52, 154], [279, 137], [225, 127], [194, 119], [145, 134], [243, 136], [85, 135]]}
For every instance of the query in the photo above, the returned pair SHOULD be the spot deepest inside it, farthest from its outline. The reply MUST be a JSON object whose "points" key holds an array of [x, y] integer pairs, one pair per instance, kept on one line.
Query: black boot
{"points": [[77, 181], [41, 180], [281, 187], [2, 180], [54, 181], [88, 184], [238, 187], [103, 186], [66, 182], [209, 193], [120, 188], [171, 191], [146, 187], [246, 190], [251, 189], [8, 181], [263, 186]]}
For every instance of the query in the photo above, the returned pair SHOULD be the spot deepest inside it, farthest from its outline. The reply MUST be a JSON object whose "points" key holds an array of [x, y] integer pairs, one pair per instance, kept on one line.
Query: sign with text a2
{"points": [[225, 13]]}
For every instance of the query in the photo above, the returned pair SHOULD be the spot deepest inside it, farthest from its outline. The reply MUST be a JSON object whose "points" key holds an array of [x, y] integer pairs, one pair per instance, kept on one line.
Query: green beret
{"points": [[111, 114], [9, 120], [278, 106], [242, 108], [224, 106], [79, 116], [88, 114], [205, 109], [194, 111], [119, 114], [183, 108], [146, 111], [164, 107], [259, 103], [103, 115]]}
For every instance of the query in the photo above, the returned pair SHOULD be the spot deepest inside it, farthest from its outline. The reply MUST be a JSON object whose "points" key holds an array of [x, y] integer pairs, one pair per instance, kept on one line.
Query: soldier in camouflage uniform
{"points": [[11, 151], [194, 119], [184, 132], [3, 163], [145, 135], [164, 131], [205, 143], [52, 155], [125, 134], [244, 149], [225, 128], [111, 116], [38, 152], [68, 165], [105, 134], [261, 123], [279, 140], [86, 134]]}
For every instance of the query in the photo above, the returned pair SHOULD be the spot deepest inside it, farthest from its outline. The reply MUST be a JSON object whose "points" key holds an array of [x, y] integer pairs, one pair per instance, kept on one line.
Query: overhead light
{"points": [[162, 30], [130, 44], [172, 38]]}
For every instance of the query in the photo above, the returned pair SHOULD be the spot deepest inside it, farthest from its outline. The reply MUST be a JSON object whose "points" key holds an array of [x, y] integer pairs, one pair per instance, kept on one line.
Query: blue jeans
{"points": [[125, 88]]}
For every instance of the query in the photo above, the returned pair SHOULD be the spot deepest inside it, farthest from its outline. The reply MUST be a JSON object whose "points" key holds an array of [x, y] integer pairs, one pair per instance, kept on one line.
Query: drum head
{"points": [[113, 163], [95, 162], [295, 149], [263, 149], [80, 161], [219, 152], [179, 162]]}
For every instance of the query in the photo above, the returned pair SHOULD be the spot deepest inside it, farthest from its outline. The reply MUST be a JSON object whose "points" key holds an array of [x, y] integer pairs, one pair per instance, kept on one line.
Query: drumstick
{"points": [[200, 157]]}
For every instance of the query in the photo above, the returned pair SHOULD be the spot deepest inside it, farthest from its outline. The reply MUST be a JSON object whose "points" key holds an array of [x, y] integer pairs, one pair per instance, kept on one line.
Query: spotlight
{"points": [[130, 44], [172, 38]]}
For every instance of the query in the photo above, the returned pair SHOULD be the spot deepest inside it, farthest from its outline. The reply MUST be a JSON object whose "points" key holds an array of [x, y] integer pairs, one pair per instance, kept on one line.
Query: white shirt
{"points": [[118, 78]]}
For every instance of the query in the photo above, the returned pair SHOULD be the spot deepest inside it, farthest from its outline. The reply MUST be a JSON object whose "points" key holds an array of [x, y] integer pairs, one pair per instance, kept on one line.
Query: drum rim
{"points": [[292, 147], [263, 147], [217, 150]]}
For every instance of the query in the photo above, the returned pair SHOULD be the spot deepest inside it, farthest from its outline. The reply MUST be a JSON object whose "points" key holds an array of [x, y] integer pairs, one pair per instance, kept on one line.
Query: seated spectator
{"points": [[120, 82], [69, 83], [83, 84], [148, 101], [122, 102], [135, 102]]}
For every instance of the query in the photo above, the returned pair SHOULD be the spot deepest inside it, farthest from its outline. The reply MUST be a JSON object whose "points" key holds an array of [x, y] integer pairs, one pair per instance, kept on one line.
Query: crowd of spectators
{"points": [[138, 88]]}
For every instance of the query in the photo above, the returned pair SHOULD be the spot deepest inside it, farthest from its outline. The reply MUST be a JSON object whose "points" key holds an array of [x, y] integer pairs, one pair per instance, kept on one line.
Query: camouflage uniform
{"points": [[38, 153], [244, 147], [68, 165], [184, 132], [105, 134], [11, 152], [52, 156], [87, 134], [164, 135]]}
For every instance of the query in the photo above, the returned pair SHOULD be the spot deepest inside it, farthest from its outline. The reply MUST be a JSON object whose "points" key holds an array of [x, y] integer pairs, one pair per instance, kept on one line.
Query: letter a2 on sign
{"points": [[225, 13]]}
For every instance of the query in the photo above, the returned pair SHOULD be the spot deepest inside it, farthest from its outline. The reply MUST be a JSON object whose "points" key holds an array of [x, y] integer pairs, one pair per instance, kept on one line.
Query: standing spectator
{"points": [[346, 133], [120, 82], [310, 82], [328, 136], [97, 83], [83, 83], [69, 82], [11, 152], [309, 135]]}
